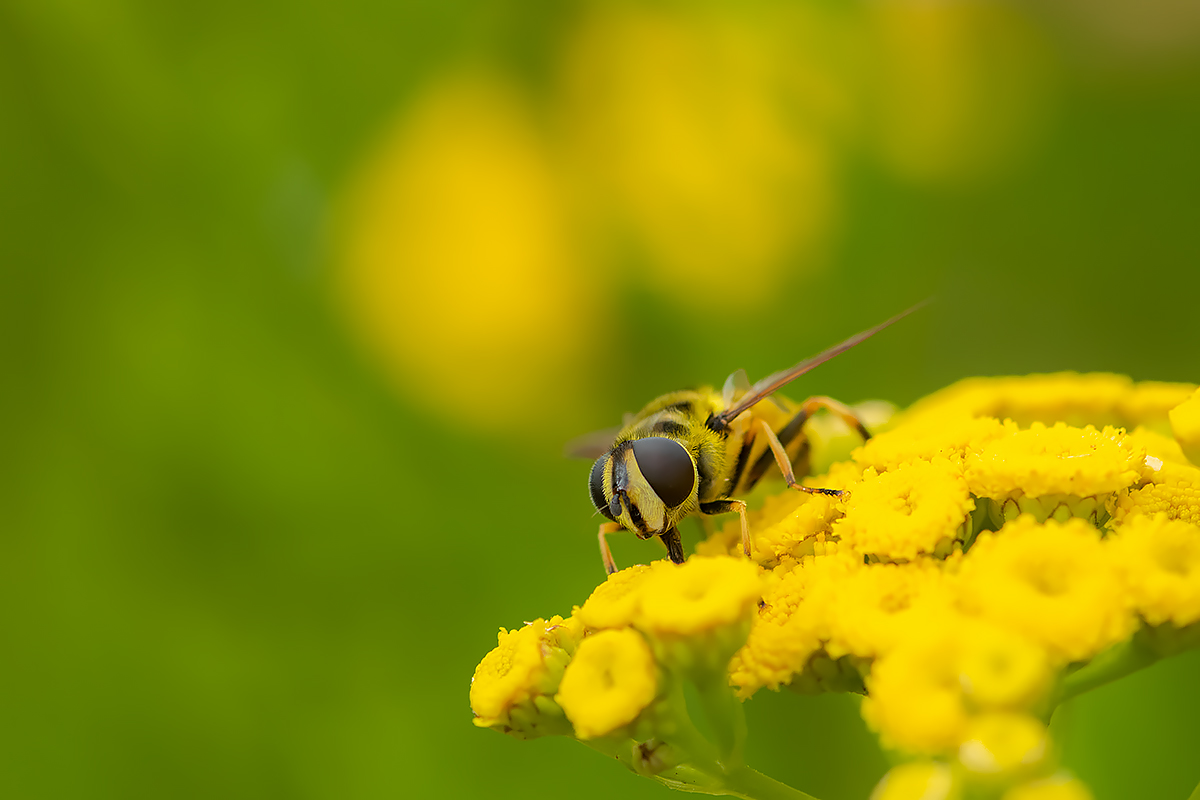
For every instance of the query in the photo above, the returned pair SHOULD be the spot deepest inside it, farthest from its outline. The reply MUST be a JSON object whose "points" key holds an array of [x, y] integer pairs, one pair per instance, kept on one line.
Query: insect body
{"points": [[695, 451]]}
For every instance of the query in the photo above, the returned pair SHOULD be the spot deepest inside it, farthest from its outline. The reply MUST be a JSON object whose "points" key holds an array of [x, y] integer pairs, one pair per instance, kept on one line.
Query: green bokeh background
{"points": [[236, 563]]}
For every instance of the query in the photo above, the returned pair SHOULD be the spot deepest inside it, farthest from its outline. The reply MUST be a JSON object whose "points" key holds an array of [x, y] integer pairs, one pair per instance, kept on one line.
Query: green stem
{"points": [[1142, 649], [1116, 662], [1195, 793], [727, 719]]}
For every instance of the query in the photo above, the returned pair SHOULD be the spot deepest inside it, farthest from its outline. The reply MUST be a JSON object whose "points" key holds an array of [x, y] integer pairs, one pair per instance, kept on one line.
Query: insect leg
{"points": [[724, 507], [674, 545], [785, 465], [790, 431], [812, 404], [610, 566]]}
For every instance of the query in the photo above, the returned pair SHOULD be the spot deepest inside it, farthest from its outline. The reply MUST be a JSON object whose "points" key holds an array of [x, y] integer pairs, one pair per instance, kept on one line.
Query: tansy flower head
{"points": [[1052, 582], [511, 683], [909, 510], [700, 595], [1185, 424], [1056, 787], [872, 609], [1055, 460], [918, 780], [1169, 488], [614, 603], [1003, 747], [1000, 669], [791, 624], [609, 682], [1159, 560], [914, 694]]}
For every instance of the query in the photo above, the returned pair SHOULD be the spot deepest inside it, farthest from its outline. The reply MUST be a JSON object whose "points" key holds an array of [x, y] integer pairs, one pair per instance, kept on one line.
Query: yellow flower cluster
{"points": [[601, 667], [972, 573], [974, 560]]}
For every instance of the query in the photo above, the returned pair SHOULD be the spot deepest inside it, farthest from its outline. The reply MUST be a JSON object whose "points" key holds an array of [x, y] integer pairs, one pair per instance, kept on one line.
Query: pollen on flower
{"points": [[1051, 582], [1171, 489], [1159, 560], [609, 682], [923, 438], [906, 511], [508, 674]]}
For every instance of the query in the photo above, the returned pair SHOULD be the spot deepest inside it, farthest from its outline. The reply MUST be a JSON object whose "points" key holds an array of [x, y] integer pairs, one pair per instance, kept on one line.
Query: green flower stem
{"points": [[727, 718], [680, 757], [1142, 649], [1195, 795]]}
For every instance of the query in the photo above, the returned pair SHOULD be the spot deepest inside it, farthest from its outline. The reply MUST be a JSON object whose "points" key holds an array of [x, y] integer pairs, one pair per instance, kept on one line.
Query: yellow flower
{"points": [[614, 603], [1172, 489], [918, 780], [1160, 562], [909, 510], [1059, 397], [999, 669], [699, 595], [1003, 746], [923, 438], [872, 608], [522, 669], [457, 267], [1054, 460], [1054, 583], [1185, 424], [791, 623], [915, 696], [1057, 787], [1151, 402], [609, 682]]}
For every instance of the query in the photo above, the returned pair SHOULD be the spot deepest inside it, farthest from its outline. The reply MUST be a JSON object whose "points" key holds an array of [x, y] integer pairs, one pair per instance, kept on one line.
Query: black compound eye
{"points": [[596, 486], [667, 467]]}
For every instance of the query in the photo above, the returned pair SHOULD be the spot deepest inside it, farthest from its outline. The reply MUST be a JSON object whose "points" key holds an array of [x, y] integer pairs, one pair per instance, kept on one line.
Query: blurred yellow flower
{"points": [[608, 683], [1003, 745], [918, 780], [1160, 561], [680, 130], [962, 88], [456, 263], [1058, 787], [1051, 582], [1185, 423]]}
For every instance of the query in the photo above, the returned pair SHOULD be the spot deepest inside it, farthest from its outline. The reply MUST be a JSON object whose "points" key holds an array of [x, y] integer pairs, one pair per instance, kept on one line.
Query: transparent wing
{"points": [[591, 445], [736, 385], [772, 383]]}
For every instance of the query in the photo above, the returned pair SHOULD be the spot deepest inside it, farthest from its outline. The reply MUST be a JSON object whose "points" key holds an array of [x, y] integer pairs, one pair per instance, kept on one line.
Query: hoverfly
{"points": [[695, 451]]}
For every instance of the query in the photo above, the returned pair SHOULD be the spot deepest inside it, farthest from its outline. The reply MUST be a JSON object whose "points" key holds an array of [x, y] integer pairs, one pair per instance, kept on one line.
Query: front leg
{"points": [[724, 507], [610, 566]]}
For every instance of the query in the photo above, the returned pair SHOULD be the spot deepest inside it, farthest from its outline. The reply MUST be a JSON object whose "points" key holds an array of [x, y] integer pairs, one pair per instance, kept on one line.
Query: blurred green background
{"points": [[300, 301]]}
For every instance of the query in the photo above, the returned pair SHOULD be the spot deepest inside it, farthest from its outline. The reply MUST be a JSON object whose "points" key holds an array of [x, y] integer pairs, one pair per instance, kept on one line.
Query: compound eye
{"points": [[596, 486], [667, 467]]}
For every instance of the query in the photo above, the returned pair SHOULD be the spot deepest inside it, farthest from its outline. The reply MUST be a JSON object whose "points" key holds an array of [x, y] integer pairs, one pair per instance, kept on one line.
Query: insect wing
{"points": [[736, 385], [773, 383], [591, 445]]}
